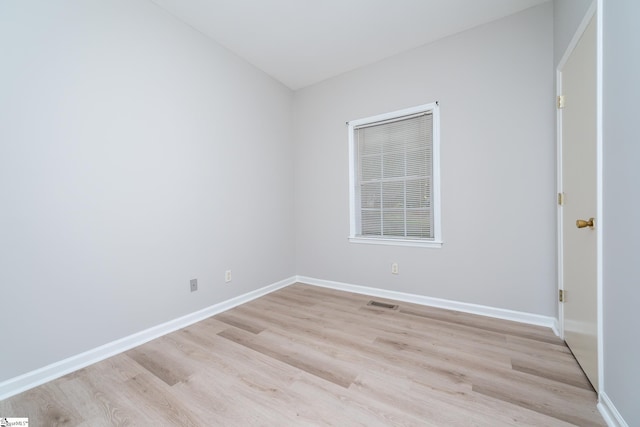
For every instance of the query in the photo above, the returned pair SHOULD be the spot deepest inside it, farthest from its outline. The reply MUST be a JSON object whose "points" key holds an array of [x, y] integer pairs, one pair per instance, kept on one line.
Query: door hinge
{"points": [[561, 295], [561, 199], [560, 102]]}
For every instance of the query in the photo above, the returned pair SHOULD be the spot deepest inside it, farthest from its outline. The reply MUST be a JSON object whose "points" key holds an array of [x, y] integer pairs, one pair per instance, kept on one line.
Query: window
{"points": [[394, 178]]}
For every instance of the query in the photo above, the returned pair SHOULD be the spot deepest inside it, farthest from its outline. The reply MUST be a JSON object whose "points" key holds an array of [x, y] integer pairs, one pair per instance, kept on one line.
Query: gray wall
{"points": [[135, 154], [568, 15], [495, 87], [621, 206]]}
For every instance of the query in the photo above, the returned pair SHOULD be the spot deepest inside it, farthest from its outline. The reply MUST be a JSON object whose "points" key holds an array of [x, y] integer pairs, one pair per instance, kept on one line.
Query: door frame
{"points": [[594, 10]]}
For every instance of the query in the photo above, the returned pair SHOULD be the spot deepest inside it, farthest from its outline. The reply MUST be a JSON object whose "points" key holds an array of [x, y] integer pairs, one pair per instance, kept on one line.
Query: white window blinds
{"points": [[394, 178]]}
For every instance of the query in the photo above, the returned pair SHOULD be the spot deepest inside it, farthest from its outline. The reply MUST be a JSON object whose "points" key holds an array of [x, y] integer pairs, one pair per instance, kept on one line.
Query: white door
{"points": [[579, 187]]}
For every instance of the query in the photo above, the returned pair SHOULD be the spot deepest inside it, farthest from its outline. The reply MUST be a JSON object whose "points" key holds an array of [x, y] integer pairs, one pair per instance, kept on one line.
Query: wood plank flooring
{"points": [[306, 356]]}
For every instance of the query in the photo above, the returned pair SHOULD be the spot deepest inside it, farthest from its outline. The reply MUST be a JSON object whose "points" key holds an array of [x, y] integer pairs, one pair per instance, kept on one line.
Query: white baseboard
{"points": [[47, 373], [609, 412], [483, 310]]}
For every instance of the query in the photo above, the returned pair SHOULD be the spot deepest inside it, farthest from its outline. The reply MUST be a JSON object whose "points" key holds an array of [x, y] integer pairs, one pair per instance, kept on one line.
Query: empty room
{"points": [[296, 213]]}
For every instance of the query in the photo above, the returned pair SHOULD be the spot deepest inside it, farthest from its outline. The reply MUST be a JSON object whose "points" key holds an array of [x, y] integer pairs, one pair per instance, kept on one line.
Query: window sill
{"points": [[396, 242]]}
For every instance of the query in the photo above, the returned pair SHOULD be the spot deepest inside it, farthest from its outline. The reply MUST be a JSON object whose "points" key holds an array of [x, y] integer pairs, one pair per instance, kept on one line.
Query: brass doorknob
{"points": [[581, 223]]}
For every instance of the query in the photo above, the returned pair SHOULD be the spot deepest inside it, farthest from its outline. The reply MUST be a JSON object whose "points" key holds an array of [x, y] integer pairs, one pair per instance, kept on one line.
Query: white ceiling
{"points": [[302, 42]]}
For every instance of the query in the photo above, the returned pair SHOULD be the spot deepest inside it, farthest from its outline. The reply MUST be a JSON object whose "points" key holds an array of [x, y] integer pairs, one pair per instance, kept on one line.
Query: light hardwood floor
{"points": [[312, 356]]}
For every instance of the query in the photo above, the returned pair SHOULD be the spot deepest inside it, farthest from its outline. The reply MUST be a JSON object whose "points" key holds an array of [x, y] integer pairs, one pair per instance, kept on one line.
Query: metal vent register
{"points": [[382, 305]]}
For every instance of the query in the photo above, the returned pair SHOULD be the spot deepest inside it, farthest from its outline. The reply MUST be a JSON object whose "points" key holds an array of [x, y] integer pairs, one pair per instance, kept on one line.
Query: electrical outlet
{"points": [[227, 276], [194, 285], [394, 268]]}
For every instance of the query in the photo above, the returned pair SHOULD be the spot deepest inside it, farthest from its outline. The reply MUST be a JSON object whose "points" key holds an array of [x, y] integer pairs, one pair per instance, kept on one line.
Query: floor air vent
{"points": [[382, 305]]}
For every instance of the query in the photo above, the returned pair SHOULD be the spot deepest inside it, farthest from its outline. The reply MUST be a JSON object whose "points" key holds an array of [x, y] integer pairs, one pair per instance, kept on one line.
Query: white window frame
{"points": [[436, 241]]}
